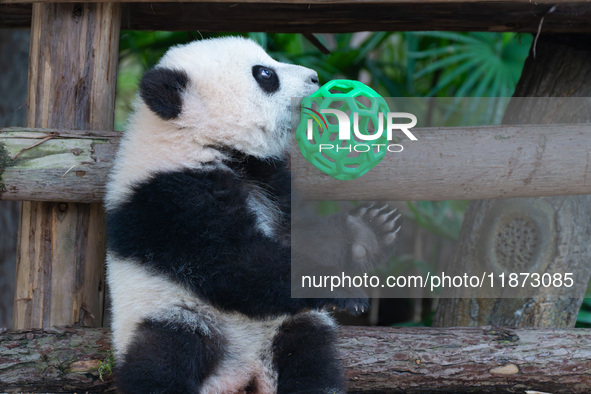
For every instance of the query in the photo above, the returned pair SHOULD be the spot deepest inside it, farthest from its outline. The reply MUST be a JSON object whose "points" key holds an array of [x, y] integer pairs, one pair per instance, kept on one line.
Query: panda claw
{"points": [[392, 223], [353, 306], [392, 212], [389, 239], [373, 213], [386, 216], [389, 226]]}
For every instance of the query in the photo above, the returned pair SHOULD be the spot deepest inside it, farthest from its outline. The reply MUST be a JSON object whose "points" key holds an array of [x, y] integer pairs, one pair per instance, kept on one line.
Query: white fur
{"points": [[250, 354], [139, 294], [265, 210]]}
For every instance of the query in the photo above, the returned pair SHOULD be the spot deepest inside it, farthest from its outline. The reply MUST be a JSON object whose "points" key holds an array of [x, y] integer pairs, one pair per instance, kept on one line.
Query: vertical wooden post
{"points": [[72, 80]]}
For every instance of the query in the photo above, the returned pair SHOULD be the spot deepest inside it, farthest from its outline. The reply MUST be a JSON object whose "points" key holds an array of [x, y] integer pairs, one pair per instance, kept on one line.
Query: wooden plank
{"points": [[339, 17], [376, 360], [61, 246], [15, 16], [445, 163], [307, 2]]}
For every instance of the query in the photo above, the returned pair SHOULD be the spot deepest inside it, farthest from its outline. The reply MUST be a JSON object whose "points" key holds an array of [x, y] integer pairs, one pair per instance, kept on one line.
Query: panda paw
{"points": [[373, 229], [354, 306]]}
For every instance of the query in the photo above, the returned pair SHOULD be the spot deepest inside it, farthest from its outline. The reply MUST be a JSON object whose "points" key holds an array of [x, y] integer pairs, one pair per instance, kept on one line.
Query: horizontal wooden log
{"points": [[338, 16], [377, 360], [467, 163], [15, 16], [54, 360], [310, 2], [55, 165], [445, 163], [483, 360]]}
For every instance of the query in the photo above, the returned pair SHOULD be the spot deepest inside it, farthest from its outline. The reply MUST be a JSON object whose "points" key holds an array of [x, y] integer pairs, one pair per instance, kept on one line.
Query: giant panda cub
{"points": [[198, 223]]}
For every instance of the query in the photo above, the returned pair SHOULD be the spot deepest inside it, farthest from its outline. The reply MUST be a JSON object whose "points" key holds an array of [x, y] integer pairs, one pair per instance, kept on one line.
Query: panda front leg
{"points": [[358, 240], [305, 355], [167, 358], [373, 229]]}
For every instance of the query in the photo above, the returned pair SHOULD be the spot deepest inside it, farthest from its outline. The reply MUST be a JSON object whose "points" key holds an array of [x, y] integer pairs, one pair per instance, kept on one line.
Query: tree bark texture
{"points": [[56, 165], [546, 234], [72, 77], [54, 360], [377, 360]]}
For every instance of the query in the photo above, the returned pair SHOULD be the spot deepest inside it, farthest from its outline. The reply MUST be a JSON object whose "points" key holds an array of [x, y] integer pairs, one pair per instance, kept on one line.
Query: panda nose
{"points": [[313, 79]]}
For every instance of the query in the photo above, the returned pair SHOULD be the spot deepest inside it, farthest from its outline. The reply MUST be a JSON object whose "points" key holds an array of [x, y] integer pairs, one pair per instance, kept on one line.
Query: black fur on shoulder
{"points": [[167, 359], [271, 174], [161, 90], [195, 227]]}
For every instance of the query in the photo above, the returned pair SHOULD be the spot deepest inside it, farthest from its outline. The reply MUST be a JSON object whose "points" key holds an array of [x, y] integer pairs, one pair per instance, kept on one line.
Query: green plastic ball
{"points": [[342, 158]]}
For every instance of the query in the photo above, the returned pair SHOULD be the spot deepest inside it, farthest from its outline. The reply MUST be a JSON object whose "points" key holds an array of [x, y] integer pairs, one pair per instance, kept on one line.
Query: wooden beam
{"points": [[467, 164], [307, 2], [54, 360], [15, 16], [445, 163], [61, 245], [55, 165], [376, 359], [342, 16]]}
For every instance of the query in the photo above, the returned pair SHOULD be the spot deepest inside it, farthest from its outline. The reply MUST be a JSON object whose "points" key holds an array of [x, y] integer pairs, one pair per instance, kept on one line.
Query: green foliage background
{"points": [[395, 64]]}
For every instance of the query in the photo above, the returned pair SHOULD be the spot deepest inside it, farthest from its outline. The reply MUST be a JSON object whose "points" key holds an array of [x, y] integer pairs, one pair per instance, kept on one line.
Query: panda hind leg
{"points": [[163, 358], [305, 355]]}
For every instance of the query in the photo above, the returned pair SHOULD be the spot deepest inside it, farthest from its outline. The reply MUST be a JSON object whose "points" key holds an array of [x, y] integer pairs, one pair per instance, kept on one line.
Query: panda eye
{"points": [[266, 73], [267, 78]]}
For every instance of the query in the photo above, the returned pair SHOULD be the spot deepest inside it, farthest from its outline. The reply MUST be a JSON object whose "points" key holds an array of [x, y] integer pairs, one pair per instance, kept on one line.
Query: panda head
{"points": [[203, 96], [224, 92]]}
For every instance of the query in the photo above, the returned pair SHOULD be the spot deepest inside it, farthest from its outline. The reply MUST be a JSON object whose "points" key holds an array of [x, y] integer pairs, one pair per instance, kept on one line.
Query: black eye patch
{"points": [[161, 89], [267, 78]]}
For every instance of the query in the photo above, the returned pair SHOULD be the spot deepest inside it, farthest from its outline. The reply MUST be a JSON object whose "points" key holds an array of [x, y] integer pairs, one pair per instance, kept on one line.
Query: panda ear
{"points": [[161, 89]]}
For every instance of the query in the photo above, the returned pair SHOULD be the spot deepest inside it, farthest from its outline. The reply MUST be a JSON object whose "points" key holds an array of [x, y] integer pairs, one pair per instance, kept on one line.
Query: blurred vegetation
{"points": [[584, 316], [395, 64]]}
